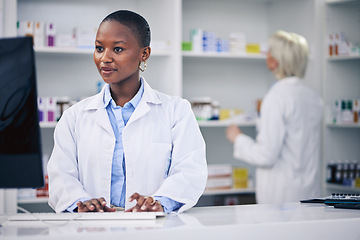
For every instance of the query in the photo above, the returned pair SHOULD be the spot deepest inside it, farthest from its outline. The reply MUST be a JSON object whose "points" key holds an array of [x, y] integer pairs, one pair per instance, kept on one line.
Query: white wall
{"points": [[1, 18]]}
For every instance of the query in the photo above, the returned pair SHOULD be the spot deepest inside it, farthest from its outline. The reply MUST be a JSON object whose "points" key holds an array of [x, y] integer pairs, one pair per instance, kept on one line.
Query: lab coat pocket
{"points": [[161, 159]]}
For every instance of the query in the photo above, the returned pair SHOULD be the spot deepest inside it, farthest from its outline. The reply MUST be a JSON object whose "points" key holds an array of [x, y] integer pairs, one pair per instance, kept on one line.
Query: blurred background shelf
{"points": [[33, 200], [48, 124], [223, 55], [337, 188], [343, 58], [87, 51], [343, 125], [225, 123], [229, 191]]}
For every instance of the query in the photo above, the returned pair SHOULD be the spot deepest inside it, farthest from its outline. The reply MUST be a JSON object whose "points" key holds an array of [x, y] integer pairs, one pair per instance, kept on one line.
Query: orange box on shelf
{"points": [[44, 191]]}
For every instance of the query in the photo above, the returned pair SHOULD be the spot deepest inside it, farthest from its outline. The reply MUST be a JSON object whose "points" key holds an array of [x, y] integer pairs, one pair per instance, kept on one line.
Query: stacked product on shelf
{"points": [[46, 35], [346, 173], [219, 177], [51, 108], [240, 178], [339, 45], [224, 176], [206, 109], [346, 111], [202, 41]]}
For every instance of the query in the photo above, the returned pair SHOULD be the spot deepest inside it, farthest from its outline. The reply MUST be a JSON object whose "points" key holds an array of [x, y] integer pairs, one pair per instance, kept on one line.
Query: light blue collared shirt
{"points": [[119, 116]]}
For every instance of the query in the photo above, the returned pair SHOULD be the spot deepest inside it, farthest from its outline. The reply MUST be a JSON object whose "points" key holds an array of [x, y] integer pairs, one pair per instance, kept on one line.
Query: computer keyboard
{"points": [[85, 216], [336, 198], [341, 198]]}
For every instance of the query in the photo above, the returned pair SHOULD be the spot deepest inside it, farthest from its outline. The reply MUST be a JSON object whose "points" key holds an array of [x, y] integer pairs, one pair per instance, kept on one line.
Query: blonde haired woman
{"points": [[286, 149]]}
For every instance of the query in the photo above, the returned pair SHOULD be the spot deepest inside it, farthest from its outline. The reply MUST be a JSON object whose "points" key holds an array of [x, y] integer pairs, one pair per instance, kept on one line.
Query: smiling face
{"points": [[117, 53]]}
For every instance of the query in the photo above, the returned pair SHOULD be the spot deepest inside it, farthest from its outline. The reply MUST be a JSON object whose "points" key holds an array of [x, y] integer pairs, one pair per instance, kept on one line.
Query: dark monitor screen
{"points": [[20, 145]]}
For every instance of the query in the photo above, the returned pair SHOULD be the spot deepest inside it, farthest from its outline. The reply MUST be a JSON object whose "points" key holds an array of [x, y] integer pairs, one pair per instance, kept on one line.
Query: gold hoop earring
{"points": [[142, 69]]}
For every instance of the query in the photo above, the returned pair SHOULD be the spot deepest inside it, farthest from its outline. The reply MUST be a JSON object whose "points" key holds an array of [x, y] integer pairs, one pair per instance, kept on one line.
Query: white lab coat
{"points": [[287, 148], [163, 146]]}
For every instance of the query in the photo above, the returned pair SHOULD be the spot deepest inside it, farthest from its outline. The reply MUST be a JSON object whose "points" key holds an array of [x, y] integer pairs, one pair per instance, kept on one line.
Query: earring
{"points": [[142, 69]]}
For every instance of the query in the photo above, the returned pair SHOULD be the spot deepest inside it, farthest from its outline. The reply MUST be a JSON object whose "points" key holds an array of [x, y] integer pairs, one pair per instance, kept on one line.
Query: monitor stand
{"points": [[8, 201]]}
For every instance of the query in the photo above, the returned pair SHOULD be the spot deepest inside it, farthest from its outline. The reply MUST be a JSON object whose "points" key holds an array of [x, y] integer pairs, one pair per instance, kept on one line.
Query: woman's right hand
{"points": [[94, 205], [232, 132], [145, 204]]}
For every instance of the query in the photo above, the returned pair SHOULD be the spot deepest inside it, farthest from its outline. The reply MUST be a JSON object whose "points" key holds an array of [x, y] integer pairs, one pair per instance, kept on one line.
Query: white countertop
{"points": [[258, 221]]}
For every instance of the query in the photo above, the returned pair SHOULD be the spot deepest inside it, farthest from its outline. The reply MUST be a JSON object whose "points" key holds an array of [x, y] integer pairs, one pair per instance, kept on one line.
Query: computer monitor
{"points": [[20, 145]]}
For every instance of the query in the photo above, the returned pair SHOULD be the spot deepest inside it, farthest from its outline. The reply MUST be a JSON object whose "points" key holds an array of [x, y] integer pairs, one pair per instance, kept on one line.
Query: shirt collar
{"points": [[134, 101]]}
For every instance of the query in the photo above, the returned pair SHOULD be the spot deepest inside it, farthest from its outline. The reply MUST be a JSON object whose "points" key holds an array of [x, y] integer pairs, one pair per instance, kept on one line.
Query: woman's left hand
{"points": [[144, 204]]}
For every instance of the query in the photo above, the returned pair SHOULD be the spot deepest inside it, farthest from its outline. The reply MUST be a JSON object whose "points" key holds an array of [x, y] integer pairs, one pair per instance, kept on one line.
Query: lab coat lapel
{"points": [[100, 115], [149, 97], [140, 111]]}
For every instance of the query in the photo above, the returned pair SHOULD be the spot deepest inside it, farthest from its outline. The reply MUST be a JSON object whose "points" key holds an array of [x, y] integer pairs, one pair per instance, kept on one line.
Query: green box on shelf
{"points": [[186, 46]]}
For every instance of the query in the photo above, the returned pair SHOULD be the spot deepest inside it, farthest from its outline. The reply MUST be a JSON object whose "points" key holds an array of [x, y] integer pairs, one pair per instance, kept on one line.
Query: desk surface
{"points": [[258, 221]]}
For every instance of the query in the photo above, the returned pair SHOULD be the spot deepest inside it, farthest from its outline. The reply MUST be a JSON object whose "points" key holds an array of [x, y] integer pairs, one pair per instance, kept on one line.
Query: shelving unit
{"points": [[236, 81], [341, 81]]}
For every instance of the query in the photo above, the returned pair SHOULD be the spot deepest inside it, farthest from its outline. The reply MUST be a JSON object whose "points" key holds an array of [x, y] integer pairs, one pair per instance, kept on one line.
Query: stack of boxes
{"points": [[339, 45], [46, 35], [51, 108], [219, 177], [224, 176], [346, 111], [236, 43]]}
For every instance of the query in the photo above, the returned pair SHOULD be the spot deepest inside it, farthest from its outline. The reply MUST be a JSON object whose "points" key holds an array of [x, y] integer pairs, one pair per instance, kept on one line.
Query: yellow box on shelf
{"points": [[229, 113], [253, 48], [357, 182], [240, 178]]}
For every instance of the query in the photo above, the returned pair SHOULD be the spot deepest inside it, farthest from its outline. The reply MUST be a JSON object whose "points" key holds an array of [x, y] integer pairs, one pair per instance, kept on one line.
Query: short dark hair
{"points": [[135, 22]]}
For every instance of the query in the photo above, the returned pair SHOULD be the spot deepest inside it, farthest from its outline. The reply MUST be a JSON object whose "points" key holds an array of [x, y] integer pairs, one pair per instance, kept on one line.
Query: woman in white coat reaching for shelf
{"points": [[129, 146], [286, 151]]}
